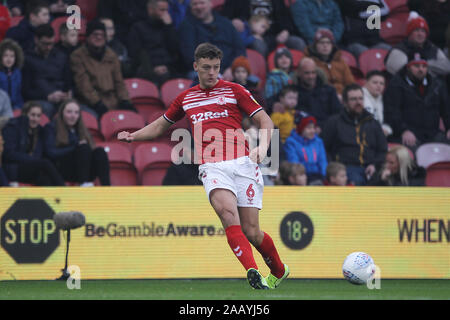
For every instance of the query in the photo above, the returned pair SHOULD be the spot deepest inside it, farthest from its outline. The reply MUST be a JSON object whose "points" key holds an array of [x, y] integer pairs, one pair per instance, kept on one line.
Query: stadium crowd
{"points": [[353, 103]]}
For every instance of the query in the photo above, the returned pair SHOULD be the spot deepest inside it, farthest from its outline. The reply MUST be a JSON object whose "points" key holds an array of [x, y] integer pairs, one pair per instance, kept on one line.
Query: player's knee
{"points": [[227, 216], [252, 233]]}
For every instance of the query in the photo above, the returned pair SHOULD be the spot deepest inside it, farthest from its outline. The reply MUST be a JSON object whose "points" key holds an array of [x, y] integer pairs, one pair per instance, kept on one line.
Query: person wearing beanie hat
{"points": [[417, 40], [242, 74], [283, 64], [329, 58], [306, 147], [97, 73], [279, 77]]}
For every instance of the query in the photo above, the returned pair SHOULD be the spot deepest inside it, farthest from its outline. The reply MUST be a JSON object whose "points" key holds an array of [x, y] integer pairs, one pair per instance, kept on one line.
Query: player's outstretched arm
{"points": [[266, 127], [149, 132]]}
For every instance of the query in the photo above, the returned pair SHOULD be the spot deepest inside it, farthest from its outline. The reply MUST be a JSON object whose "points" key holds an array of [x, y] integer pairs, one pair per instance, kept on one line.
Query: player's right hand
{"points": [[125, 136]]}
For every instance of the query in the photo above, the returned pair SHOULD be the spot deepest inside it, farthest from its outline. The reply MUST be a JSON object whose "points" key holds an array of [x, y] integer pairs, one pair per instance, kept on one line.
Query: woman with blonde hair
{"points": [[400, 170], [70, 145]]}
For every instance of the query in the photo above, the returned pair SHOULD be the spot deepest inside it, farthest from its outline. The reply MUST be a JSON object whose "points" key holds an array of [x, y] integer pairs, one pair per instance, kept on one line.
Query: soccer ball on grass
{"points": [[358, 268]]}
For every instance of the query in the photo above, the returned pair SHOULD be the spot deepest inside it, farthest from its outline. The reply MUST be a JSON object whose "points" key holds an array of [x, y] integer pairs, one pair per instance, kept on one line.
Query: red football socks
{"points": [[271, 257], [241, 247]]}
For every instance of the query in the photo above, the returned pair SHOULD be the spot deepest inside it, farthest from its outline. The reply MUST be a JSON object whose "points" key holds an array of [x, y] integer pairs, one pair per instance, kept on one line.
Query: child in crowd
{"points": [[292, 174], [242, 74], [279, 77], [68, 39], [254, 31], [336, 174], [305, 147], [284, 110], [10, 71]]}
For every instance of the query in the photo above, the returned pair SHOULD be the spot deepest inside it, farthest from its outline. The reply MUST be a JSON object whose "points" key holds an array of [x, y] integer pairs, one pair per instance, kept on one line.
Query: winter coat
{"points": [[376, 108], [355, 141], [310, 153], [158, 40], [23, 33], [11, 83], [43, 76], [276, 80], [178, 11], [320, 102], [96, 80], [405, 109], [51, 150], [285, 122], [397, 58], [220, 32], [309, 15], [337, 71], [416, 178]]}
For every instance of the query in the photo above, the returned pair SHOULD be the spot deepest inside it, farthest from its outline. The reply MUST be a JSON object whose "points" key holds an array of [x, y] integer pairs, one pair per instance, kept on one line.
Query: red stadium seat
{"points": [[172, 88], [152, 160], [438, 175], [122, 170], [297, 55], [430, 153], [217, 4], [258, 65], [350, 60], [92, 124], [59, 21], [396, 6], [372, 59], [141, 88], [88, 8], [15, 21], [112, 122], [392, 145], [393, 29]]}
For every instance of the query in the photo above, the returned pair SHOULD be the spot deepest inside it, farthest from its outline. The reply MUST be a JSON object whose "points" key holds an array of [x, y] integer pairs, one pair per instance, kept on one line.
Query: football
{"points": [[358, 268]]}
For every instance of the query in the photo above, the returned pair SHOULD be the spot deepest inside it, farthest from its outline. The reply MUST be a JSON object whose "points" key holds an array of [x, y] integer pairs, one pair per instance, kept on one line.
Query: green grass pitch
{"points": [[291, 289]]}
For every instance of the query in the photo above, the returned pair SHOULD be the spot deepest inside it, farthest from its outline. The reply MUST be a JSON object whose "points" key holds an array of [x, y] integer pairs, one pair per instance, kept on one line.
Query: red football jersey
{"points": [[216, 115]]}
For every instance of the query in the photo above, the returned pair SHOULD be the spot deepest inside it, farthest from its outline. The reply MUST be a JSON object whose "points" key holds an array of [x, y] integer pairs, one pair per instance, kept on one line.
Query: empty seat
{"points": [[91, 124], [122, 170], [172, 88], [430, 153], [393, 29], [258, 65], [152, 160], [438, 175], [372, 59], [88, 8], [112, 122]]}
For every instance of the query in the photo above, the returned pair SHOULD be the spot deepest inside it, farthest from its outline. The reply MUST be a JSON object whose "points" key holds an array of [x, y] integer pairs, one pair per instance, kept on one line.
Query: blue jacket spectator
{"points": [[10, 74], [279, 77], [201, 25], [178, 10], [305, 147], [37, 14], [310, 15]]}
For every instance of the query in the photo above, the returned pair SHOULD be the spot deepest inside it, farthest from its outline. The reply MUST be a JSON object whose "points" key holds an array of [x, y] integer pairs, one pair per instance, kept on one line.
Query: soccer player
{"points": [[233, 181]]}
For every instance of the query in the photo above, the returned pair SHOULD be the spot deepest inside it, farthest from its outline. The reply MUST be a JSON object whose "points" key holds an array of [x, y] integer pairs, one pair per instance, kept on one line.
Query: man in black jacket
{"points": [[414, 102], [153, 44], [355, 138], [46, 73]]}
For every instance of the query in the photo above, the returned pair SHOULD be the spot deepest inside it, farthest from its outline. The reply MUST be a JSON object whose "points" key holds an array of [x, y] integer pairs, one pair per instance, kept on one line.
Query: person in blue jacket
{"points": [[24, 150], [70, 145], [305, 147], [12, 60]]}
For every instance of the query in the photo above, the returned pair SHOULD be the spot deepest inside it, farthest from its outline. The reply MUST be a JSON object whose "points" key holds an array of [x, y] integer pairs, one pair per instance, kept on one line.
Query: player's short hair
{"points": [[350, 87], [374, 73], [207, 51], [44, 30], [35, 6], [287, 89], [333, 169]]}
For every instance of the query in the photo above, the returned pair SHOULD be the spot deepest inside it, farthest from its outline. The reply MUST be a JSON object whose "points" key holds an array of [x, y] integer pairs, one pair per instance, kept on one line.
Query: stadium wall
{"points": [[172, 232]]}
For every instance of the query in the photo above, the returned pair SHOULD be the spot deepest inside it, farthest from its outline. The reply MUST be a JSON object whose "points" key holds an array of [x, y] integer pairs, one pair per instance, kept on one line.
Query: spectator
{"points": [[283, 115], [118, 47], [315, 97], [305, 147], [177, 10], [417, 31], [355, 138], [336, 175], [5, 21], [373, 98], [414, 102], [46, 73], [3, 179], [242, 74], [282, 31], [10, 72], [153, 44], [70, 145], [68, 42], [201, 25], [292, 174], [16, 7], [23, 155], [58, 8], [437, 13], [311, 15], [6, 112], [183, 174], [124, 13], [279, 77], [357, 36], [37, 14], [97, 75], [399, 170], [328, 57], [253, 33]]}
